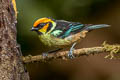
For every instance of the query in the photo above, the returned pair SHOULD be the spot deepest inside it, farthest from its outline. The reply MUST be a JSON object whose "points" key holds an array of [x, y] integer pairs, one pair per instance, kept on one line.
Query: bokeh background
{"points": [[93, 67]]}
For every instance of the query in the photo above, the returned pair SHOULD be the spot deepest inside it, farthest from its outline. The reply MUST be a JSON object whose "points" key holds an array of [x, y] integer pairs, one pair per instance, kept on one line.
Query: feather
{"points": [[64, 28], [92, 27]]}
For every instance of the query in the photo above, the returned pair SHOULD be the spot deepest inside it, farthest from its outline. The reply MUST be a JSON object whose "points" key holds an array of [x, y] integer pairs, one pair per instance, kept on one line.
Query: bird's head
{"points": [[43, 25]]}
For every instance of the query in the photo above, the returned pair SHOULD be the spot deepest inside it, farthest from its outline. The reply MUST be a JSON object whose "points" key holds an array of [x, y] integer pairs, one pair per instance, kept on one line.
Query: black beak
{"points": [[34, 29]]}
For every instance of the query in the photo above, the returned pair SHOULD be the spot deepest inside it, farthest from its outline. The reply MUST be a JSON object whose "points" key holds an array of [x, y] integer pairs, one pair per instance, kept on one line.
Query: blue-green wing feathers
{"points": [[64, 28]]}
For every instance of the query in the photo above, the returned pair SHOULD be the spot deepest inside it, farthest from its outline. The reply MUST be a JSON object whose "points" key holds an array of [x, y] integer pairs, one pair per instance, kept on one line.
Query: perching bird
{"points": [[59, 34]]}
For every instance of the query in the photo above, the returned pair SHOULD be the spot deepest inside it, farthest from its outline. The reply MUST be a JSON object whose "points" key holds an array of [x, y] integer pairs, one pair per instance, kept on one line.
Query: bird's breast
{"points": [[53, 42]]}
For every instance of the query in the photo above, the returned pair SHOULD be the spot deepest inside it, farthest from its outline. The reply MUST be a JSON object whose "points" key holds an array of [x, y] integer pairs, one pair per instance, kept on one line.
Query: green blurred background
{"points": [[93, 67]]}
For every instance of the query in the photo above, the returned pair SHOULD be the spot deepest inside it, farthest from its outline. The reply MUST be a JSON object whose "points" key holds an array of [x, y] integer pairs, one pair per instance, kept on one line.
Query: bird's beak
{"points": [[34, 29]]}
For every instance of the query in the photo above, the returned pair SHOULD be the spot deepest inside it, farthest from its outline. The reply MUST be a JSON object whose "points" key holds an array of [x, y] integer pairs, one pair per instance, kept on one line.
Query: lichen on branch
{"points": [[112, 49]]}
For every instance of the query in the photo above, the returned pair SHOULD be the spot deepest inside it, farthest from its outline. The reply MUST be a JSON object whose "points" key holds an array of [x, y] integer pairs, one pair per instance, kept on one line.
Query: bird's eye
{"points": [[41, 25]]}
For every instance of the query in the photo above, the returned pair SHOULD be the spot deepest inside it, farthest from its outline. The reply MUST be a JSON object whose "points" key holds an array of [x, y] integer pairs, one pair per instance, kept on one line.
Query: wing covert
{"points": [[64, 28]]}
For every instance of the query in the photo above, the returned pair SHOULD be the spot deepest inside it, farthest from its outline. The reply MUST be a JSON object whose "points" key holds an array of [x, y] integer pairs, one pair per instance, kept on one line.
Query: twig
{"points": [[113, 49]]}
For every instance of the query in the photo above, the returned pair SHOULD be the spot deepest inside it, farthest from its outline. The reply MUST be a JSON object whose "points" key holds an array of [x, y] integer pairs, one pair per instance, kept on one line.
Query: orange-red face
{"points": [[42, 25]]}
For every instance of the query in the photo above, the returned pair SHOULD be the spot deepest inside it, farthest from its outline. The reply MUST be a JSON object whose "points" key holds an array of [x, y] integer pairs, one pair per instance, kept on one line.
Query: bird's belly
{"points": [[52, 42], [77, 37]]}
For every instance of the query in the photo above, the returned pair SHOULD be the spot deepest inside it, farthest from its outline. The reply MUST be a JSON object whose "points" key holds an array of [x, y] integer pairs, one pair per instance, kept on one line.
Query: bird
{"points": [[61, 34]]}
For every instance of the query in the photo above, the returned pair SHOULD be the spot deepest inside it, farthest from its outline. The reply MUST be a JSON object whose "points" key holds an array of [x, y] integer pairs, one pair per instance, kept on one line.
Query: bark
{"points": [[114, 51], [11, 65]]}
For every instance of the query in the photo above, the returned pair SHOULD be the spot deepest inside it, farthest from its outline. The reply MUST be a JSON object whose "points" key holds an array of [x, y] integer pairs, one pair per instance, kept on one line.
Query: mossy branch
{"points": [[112, 49]]}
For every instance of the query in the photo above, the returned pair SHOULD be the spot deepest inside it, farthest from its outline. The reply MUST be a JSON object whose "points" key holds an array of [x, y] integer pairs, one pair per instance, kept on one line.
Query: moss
{"points": [[113, 50]]}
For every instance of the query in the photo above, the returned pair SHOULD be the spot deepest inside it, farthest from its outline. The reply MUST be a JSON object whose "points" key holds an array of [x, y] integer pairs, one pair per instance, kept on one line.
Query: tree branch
{"points": [[112, 49]]}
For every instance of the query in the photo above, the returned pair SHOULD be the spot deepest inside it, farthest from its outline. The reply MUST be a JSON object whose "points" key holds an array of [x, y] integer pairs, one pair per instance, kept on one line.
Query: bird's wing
{"points": [[64, 29]]}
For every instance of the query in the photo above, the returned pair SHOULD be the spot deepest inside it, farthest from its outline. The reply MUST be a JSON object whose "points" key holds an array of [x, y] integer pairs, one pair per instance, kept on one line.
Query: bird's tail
{"points": [[92, 27]]}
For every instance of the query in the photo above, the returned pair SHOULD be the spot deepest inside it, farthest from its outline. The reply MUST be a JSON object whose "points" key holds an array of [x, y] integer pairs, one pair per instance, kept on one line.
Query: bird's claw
{"points": [[70, 54], [44, 55]]}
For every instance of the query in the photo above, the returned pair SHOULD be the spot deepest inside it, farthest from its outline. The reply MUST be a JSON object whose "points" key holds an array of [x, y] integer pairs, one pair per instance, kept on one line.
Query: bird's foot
{"points": [[44, 55], [70, 54]]}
